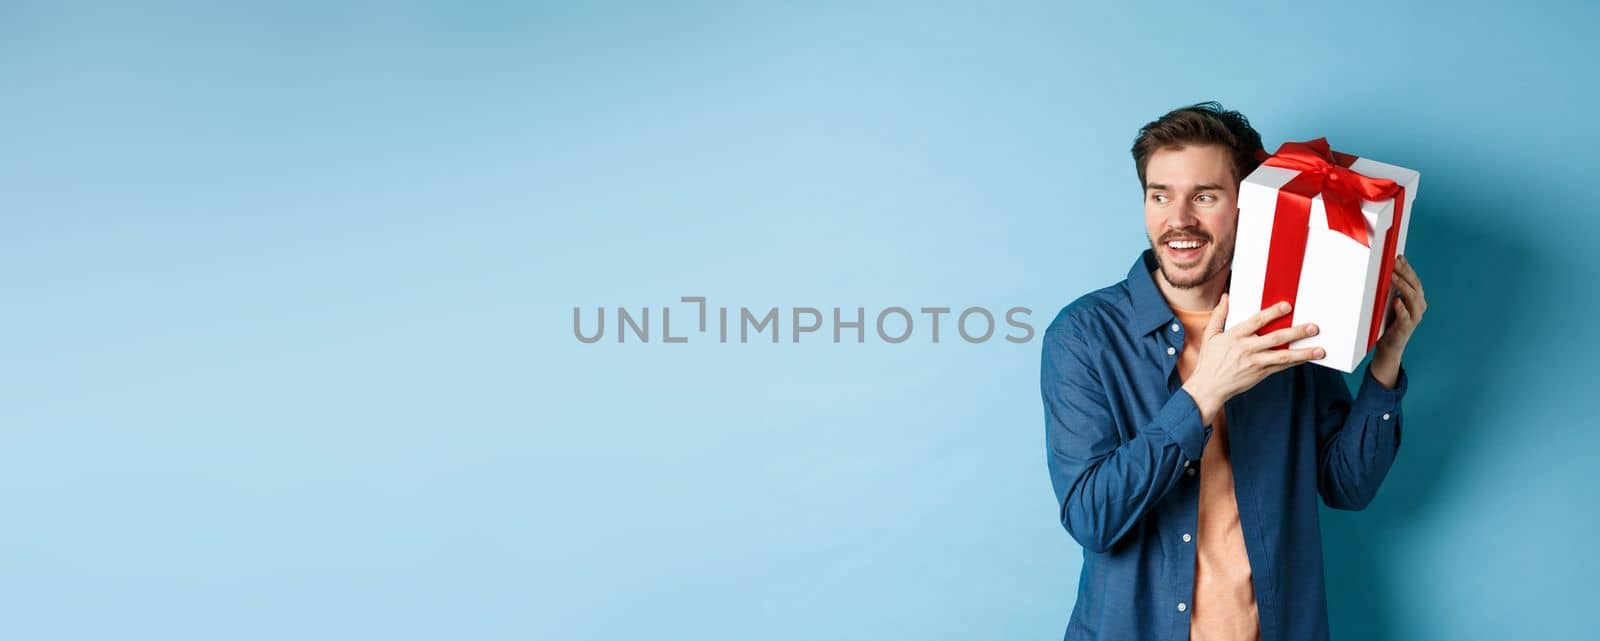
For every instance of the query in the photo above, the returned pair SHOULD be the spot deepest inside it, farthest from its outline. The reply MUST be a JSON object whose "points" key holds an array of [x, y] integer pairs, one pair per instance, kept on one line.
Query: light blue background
{"points": [[288, 295]]}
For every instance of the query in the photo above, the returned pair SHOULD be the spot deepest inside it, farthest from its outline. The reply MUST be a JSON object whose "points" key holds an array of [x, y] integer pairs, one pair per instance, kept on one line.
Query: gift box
{"points": [[1321, 229]]}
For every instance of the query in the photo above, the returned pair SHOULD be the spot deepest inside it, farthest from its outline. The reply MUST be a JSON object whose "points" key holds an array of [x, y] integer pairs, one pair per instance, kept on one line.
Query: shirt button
{"points": [[1186, 537], [1175, 327], [1182, 606], [1190, 472], [1385, 416], [1171, 351]]}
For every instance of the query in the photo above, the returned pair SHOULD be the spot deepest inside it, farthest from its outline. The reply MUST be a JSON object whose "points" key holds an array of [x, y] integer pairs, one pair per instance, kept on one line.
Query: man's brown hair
{"points": [[1200, 124]]}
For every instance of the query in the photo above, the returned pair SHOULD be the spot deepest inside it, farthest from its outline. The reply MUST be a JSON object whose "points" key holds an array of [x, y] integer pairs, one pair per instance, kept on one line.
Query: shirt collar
{"points": [[1150, 309]]}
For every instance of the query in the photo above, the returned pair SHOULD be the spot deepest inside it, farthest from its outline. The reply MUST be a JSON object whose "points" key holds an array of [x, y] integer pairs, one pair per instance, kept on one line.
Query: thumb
{"points": [[1219, 315]]}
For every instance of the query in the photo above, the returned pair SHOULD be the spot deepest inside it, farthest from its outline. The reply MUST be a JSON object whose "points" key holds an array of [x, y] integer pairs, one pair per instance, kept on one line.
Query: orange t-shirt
{"points": [[1224, 607]]}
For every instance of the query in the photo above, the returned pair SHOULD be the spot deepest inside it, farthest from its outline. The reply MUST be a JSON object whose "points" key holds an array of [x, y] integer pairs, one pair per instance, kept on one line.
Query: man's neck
{"points": [[1203, 297]]}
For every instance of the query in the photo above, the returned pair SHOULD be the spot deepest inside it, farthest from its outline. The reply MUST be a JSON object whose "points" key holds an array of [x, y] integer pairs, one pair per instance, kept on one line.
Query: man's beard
{"points": [[1221, 257]]}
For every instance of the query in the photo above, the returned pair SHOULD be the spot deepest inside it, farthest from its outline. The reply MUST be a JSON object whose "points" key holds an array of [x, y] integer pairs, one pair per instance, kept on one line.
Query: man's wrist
{"points": [[1207, 403], [1385, 365]]}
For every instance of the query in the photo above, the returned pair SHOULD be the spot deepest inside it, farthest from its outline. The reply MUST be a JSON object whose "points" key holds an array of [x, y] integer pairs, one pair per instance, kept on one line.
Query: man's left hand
{"points": [[1409, 307]]}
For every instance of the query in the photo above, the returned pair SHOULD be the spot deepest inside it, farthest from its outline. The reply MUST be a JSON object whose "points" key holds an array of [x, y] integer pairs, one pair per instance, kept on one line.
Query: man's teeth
{"points": [[1183, 244]]}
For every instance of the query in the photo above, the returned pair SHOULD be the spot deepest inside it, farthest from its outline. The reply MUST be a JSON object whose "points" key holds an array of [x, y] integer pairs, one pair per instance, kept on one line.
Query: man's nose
{"points": [[1182, 216]]}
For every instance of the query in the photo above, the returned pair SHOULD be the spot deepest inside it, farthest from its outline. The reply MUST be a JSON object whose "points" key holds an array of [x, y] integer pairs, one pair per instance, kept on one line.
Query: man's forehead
{"points": [[1188, 167]]}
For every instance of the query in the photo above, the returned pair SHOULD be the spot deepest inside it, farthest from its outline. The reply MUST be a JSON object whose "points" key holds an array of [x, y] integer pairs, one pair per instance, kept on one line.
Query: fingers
{"points": [[1404, 271], [1289, 357], [1261, 318], [1405, 289], [1401, 269], [1274, 369], [1219, 315], [1411, 292], [1402, 315], [1285, 335]]}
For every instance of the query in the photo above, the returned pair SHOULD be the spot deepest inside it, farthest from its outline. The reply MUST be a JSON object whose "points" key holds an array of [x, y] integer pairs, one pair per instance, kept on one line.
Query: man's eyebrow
{"points": [[1199, 187]]}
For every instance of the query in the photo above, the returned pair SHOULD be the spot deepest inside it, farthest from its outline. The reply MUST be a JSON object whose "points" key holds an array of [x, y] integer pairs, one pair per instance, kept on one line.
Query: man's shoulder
{"points": [[1094, 315]]}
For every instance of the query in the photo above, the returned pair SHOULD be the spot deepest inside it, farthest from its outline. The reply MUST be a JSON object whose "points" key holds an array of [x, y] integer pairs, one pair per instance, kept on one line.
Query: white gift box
{"points": [[1339, 277]]}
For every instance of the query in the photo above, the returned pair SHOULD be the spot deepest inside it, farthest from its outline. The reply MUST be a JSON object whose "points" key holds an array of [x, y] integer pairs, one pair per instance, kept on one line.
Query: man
{"points": [[1188, 460]]}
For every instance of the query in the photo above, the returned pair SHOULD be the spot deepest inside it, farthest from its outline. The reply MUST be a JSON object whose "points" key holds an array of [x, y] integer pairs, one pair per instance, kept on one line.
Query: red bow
{"points": [[1326, 172]]}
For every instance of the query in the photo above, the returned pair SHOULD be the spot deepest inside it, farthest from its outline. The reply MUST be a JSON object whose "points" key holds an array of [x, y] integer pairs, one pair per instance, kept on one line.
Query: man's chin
{"points": [[1185, 282], [1191, 274], [1186, 277]]}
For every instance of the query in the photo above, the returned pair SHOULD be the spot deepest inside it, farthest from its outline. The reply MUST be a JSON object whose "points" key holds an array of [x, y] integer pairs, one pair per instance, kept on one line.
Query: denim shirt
{"points": [[1123, 443]]}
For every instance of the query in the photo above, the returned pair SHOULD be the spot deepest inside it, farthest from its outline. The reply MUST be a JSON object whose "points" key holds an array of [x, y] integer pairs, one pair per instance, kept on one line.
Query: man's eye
{"points": [[1160, 198], [1206, 198]]}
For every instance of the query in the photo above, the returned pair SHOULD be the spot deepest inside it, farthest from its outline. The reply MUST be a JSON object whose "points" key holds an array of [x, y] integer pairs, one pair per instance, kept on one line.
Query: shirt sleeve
{"points": [[1357, 439], [1104, 482]]}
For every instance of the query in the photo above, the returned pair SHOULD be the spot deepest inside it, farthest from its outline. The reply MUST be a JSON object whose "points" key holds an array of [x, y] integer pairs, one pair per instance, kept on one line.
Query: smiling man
{"points": [[1187, 460]]}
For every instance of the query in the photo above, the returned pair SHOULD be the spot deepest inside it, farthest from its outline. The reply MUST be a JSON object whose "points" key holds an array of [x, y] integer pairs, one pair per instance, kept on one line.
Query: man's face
{"points": [[1191, 211]]}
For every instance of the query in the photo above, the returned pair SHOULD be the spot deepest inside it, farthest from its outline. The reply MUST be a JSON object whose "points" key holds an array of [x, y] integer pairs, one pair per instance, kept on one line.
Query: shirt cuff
{"points": [[1378, 399], [1181, 422]]}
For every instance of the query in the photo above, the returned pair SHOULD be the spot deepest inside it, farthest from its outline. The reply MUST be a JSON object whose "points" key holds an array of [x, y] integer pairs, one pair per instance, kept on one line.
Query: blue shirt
{"points": [[1123, 442]]}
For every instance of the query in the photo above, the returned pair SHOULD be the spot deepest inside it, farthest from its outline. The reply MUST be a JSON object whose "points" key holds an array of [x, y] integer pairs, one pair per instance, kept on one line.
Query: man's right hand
{"points": [[1234, 361]]}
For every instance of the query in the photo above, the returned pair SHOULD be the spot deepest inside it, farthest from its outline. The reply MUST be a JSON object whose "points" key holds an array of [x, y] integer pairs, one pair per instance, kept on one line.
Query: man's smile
{"points": [[1185, 251]]}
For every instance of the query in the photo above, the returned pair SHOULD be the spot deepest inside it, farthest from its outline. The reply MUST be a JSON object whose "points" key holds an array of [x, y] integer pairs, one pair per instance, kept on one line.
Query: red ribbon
{"points": [[1326, 172]]}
